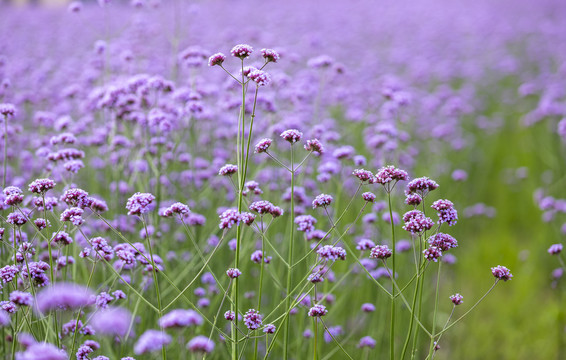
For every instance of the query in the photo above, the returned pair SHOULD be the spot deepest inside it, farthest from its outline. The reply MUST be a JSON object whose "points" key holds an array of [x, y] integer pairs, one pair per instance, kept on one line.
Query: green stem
{"points": [[290, 257], [431, 346], [5, 151], [393, 290]]}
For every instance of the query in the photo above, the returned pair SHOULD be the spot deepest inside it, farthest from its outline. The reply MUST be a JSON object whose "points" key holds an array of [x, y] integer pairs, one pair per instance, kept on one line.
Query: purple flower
{"points": [[269, 329], [270, 55], [76, 197], [228, 170], [413, 199], [416, 222], [446, 212], [305, 223], [139, 203], [41, 186], [368, 307], [459, 175], [112, 321], [555, 249], [317, 310], [16, 219], [260, 77], [7, 110], [63, 296], [381, 252], [501, 273], [292, 135], [322, 200], [21, 298], [364, 175], [261, 207], [314, 145], [329, 252], [216, 59], [422, 186], [102, 300], [263, 145], [43, 351], [233, 273], [369, 196], [201, 344], [457, 299], [229, 315], [229, 218], [180, 318], [241, 51], [8, 273], [14, 196], [365, 244], [74, 215], [367, 341], [443, 241], [253, 319], [432, 253], [388, 174], [151, 340]]}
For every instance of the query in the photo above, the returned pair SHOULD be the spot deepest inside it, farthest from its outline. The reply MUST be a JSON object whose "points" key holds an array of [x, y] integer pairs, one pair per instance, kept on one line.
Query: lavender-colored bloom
{"points": [[364, 175], [413, 199], [422, 186], [4, 319], [216, 59], [253, 319], [329, 252], [201, 344], [292, 135], [261, 207], [150, 341], [369, 196], [43, 351], [367, 341], [270, 55], [102, 300], [443, 241], [416, 222], [457, 299], [402, 245], [41, 186], [41, 223], [555, 249], [501, 273], [269, 329], [112, 321], [446, 212], [229, 315], [305, 223], [388, 174], [180, 318], [314, 145], [263, 145], [260, 77], [459, 175], [16, 219], [317, 310], [241, 51], [63, 296], [7, 110], [14, 196], [76, 197], [21, 298], [365, 244], [432, 253], [322, 200], [229, 218], [228, 170], [233, 273], [332, 332], [139, 203], [74, 215], [8, 273], [381, 252], [368, 307]]}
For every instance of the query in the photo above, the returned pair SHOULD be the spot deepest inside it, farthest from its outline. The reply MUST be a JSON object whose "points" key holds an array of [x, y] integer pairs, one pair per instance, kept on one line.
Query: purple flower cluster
{"points": [[139, 203]]}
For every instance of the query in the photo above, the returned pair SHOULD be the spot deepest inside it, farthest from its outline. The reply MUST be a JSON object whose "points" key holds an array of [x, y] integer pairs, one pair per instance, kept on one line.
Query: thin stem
{"points": [[431, 347], [393, 290], [290, 257], [5, 151]]}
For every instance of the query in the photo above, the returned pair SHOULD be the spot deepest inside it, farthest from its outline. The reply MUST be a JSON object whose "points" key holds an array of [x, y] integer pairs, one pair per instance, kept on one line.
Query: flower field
{"points": [[283, 180]]}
